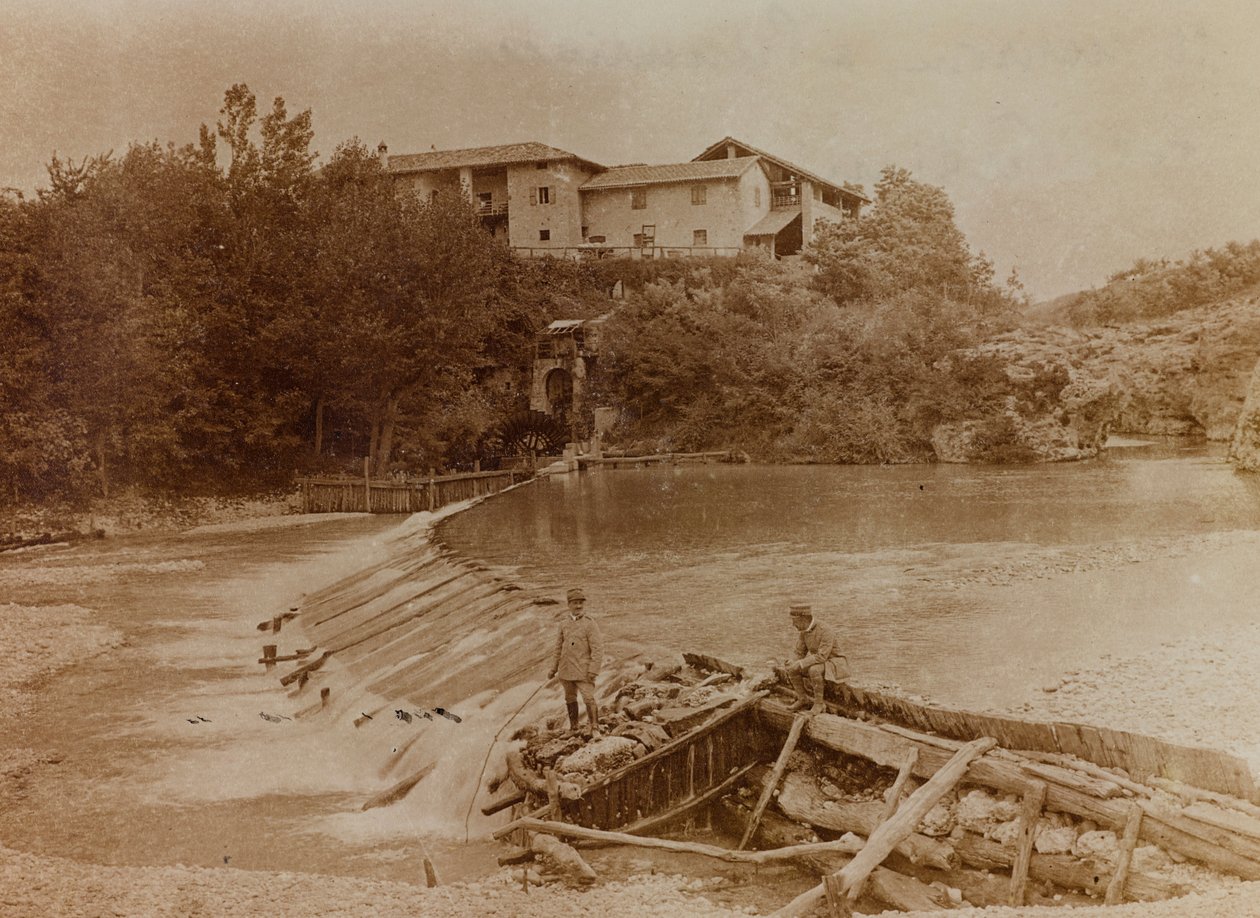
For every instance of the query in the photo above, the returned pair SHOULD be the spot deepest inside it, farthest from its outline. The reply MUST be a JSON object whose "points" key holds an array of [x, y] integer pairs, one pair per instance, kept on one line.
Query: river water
{"points": [[965, 583], [970, 584]]}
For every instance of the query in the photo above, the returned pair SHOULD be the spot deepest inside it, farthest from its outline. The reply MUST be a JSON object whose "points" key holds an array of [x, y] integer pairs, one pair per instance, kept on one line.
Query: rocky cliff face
{"points": [[1244, 448], [1185, 374]]}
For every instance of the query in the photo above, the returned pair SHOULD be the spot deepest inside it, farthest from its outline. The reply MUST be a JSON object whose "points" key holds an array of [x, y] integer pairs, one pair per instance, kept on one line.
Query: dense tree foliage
{"points": [[224, 312], [1154, 288], [839, 364]]}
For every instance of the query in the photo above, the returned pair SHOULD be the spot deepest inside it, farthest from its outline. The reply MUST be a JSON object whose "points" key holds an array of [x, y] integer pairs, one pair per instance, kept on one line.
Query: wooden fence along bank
{"points": [[363, 495]]}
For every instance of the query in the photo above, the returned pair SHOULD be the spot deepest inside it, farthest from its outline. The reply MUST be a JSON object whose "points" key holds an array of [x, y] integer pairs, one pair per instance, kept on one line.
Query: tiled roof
{"points": [[774, 221], [780, 161], [502, 155], [627, 176]]}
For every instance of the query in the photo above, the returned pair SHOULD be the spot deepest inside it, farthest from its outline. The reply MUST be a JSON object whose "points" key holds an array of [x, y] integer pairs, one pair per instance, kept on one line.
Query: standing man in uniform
{"points": [[579, 656], [818, 658]]}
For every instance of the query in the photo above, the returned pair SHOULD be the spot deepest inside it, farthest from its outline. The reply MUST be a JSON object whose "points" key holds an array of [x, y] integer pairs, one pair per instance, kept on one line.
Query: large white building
{"points": [[544, 201]]}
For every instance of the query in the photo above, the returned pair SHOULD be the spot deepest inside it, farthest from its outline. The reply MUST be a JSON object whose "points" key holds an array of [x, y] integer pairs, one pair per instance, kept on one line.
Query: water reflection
{"points": [[960, 580]]}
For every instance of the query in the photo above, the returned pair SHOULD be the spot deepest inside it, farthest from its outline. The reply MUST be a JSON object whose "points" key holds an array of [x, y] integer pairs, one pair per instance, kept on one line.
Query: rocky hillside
{"points": [[1244, 449], [1181, 374]]}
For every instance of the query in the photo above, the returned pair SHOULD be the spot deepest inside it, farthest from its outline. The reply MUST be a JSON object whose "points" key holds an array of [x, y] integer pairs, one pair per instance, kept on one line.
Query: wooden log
{"points": [[516, 855], [398, 791], [800, 799], [269, 656], [890, 887], [1097, 782], [430, 874], [854, 737], [563, 856], [772, 783], [287, 658], [1078, 764], [1198, 794], [553, 795], [713, 664], [885, 838], [1231, 820], [1217, 848], [899, 785], [498, 806], [1034, 800], [842, 846], [308, 668], [1064, 870], [1132, 827], [837, 899]]}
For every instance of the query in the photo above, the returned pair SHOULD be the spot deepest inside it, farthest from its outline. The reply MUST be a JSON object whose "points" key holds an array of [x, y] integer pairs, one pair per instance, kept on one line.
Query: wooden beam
{"points": [[398, 791], [841, 846], [497, 806], [837, 900], [1132, 828], [648, 823], [1063, 870], [801, 799], [1034, 800], [884, 839], [776, 774], [899, 786]]}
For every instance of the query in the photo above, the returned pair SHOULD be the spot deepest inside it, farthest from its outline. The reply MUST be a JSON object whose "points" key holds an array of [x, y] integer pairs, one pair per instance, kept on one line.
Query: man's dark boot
{"points": [[819, 686], [572, 708], [592, 712], [798, 686]]}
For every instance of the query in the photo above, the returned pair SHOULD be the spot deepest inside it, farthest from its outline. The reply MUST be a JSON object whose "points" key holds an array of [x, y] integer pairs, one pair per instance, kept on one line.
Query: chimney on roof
{"points": [[730, 151]]}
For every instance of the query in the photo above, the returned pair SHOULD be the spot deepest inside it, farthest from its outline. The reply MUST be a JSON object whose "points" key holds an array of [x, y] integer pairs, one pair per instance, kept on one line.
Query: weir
{"points": [[428, 638]]}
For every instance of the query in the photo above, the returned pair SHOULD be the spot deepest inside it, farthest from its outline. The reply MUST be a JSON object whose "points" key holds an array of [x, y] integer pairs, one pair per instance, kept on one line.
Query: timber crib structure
{"points": [[363, 495], [1197, 804]]}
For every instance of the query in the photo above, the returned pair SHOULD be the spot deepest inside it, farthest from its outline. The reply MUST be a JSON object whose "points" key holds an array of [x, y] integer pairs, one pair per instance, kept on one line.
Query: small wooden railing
{"points": [[363, 495], [615, 462], [626, 251]]}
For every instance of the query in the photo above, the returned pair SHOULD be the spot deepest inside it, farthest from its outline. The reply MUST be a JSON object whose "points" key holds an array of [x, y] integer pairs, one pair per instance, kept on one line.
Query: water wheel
{"points": [[527, 432]]}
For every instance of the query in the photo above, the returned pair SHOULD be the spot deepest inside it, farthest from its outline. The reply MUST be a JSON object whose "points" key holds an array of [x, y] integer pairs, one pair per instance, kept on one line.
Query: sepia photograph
{"points": [[470, 458]]}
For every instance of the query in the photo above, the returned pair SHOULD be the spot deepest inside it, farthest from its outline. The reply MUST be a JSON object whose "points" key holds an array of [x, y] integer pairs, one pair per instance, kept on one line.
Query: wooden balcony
{"points": [[784, 195], [492, 209]]}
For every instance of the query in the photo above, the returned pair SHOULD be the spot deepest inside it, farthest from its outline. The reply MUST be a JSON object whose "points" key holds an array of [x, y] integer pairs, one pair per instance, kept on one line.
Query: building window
{"points": [[699, 237], [698, 194], [544, 235], [757, 196], [543, 193], [541, 165], [638, 198]]}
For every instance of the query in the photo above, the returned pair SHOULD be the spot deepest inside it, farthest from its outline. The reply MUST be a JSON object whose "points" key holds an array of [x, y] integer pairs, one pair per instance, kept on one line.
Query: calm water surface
{"points": [[1089, 558]]}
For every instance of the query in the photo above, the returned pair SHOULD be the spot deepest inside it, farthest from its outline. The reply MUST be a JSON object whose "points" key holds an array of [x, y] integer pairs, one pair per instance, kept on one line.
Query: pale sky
{"points": [[1072, 137]]}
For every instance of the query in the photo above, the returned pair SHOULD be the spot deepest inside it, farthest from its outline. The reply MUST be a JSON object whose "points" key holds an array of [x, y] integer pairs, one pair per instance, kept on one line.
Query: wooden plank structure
{"points": [[618, 462], [363, 495], [647, 793], [1143, 757]]}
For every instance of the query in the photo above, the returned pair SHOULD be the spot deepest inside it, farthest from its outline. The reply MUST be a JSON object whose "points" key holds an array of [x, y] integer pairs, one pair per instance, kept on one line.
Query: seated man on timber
{"points": [[818, 657]]}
